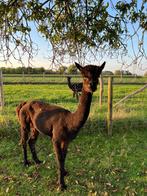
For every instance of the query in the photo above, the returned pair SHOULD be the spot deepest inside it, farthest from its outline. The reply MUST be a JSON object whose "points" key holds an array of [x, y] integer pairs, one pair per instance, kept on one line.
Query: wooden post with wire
{"points": [[1, 91], [110, 99], [101, 91]]}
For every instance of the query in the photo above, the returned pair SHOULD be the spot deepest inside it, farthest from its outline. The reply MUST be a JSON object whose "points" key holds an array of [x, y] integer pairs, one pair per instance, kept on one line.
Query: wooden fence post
{"points": [[23, 75], [43, 75], [110, 97], [1, 91], [101, 91]]}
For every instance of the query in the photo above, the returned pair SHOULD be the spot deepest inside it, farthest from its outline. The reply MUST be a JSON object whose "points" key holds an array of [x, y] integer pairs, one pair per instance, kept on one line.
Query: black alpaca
{"points": [[75, 87]]}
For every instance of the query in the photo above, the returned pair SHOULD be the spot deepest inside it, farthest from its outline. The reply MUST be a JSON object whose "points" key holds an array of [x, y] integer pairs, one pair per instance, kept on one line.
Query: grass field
{"points": [[97, 164]]}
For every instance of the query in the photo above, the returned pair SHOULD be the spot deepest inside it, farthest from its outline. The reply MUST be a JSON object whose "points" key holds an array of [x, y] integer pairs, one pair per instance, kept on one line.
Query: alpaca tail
{"points": [[17, 114], [19, 108]]}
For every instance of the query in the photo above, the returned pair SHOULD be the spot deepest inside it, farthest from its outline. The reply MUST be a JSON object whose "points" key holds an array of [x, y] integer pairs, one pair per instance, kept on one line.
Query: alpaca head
{"points": [[90, 75]]}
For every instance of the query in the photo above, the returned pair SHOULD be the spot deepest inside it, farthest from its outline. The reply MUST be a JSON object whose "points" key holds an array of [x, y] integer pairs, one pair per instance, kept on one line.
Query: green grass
{"points": [[97, 164]]}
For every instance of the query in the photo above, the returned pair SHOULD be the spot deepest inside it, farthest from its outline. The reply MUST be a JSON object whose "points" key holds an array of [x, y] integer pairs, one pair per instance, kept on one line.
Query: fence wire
{"points": [[132, 112]]}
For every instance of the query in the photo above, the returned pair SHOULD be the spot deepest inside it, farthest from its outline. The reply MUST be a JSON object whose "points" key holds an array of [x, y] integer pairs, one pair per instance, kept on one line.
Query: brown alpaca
{"points": [[58, 123], [75, 87]]}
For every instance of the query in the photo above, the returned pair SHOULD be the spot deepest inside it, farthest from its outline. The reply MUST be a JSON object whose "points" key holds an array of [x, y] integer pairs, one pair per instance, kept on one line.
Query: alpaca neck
{"points": [[80, 116], [69, 82]]}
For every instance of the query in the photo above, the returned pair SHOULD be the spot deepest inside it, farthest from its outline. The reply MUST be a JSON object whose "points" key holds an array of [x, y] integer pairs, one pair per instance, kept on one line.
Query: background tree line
{"points": [[71, 69]]}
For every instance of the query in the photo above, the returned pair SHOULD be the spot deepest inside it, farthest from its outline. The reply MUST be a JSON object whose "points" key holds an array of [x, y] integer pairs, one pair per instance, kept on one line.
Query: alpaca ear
{"points": [[103, 65], [79, 66], [100, 68]]}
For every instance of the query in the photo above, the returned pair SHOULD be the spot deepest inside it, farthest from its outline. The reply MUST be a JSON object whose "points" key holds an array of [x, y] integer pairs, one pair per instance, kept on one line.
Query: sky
{"points": [[42, 58]]}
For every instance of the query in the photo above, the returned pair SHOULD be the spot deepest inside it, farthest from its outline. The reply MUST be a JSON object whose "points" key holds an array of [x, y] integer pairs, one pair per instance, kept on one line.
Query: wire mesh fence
{"points": [[54, 94], [62, 78], [39, 78], [132, 110], [128, 114]]}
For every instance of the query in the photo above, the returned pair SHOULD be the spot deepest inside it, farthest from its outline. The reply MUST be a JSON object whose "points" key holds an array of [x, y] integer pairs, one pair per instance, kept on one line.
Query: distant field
{"points": [[97, 164], [39, 78], [50, 78]]}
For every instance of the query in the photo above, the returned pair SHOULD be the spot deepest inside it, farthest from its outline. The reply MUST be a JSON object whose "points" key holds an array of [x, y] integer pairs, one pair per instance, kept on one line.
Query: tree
{"points": [[62, 69], [72, 27], [126, 72], [107, 73], [122, 72], [72, 69], [118, 72], [145, 74]]}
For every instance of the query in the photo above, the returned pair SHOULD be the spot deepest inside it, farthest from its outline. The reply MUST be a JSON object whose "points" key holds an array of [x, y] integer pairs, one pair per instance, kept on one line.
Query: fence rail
{"points": [[62, 79]]}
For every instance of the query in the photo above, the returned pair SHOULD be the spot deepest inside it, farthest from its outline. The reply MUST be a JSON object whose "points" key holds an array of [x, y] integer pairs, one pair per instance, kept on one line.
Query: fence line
{"points": [[105, 102], [130, 95], [1, 91], [101, 91], [62, 79], [110, 100]]}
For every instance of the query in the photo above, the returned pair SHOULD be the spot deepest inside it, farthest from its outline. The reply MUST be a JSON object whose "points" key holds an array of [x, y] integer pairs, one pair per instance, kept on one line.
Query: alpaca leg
{"points": [[26, 162], [24, 138], [60, 163], [32, 141], [64, 146]]}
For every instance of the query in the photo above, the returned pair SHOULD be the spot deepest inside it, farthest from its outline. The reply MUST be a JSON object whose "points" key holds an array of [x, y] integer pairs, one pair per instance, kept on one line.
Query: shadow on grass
{"points": [[10, 127], [129, 124], [119, 126]]}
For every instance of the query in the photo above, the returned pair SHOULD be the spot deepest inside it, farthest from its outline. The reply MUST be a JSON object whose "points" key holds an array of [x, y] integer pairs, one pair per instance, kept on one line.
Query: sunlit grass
{"points": [[97, 164]]}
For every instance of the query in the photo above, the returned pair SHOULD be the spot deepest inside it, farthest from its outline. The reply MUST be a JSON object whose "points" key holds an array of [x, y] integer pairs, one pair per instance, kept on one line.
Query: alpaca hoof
{"points": [[27, 163], [65, 173], [62, 187], [38, 162]]}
